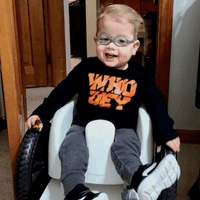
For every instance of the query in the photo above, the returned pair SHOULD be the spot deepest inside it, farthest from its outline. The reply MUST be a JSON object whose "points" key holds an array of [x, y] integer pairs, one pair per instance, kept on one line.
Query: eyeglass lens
{"points": [[119, 40]]}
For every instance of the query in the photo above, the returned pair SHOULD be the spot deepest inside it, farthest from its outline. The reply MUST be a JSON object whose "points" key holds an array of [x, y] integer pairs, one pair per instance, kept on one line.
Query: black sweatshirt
{"points": [[111, 94]]}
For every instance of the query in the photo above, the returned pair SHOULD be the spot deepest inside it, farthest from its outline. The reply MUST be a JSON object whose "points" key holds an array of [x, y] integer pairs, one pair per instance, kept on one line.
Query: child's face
{"points": [[112, 55]]}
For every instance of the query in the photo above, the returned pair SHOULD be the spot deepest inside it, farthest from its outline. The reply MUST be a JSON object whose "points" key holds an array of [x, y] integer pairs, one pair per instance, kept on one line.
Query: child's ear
{"points": [[136, 45]]}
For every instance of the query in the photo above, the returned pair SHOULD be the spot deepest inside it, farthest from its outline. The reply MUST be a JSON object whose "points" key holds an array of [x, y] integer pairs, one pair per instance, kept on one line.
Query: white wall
{"points": [[184, 64]]}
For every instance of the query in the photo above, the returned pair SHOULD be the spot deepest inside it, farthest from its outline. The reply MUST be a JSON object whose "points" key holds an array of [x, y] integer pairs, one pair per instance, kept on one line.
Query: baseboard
{"points": [[189, 136], [3, 124]]}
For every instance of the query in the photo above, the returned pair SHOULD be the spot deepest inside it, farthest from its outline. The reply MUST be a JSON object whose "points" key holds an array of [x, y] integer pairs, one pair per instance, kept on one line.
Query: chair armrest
{"points": [[61, 123], [144, 130]]}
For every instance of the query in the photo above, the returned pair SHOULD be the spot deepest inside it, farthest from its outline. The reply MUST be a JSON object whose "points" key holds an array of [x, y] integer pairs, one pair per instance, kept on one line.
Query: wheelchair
{"points": [[38, 169]]}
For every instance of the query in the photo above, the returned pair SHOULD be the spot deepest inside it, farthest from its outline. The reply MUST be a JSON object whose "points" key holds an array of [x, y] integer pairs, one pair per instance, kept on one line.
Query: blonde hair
{"points": [[121, 11]]}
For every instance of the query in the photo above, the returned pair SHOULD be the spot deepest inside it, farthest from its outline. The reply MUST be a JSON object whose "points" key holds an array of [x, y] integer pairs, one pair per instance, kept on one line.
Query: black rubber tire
{"points": [[25, 163], [169, 193], [194, 192], [32, 165]]}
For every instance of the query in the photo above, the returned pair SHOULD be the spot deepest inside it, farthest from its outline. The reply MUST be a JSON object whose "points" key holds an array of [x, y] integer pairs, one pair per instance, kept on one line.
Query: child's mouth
{"points": [[108, 55]]}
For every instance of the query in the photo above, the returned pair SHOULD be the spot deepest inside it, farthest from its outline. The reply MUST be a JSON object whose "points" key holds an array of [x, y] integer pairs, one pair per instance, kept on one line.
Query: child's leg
{"points": [[125, 153], [149, 180], [74, 158]]}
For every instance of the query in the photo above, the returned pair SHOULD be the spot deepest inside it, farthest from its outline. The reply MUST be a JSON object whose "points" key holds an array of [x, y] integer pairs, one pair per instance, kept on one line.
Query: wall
{"points": [[91, 10], [184, 64], [67, 36]]}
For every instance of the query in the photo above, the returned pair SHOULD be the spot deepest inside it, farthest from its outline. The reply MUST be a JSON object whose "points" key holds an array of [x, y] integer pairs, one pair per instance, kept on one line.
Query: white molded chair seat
{"points": [[100, 135], [101, 170]]}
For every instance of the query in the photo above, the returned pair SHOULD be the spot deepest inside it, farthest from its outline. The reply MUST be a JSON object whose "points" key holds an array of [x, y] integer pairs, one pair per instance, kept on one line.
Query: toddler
{"points": [[112, 87]]}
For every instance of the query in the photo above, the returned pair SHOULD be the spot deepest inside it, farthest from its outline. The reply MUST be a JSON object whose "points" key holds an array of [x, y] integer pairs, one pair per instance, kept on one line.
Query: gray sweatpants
{"points": [[125, 153]]}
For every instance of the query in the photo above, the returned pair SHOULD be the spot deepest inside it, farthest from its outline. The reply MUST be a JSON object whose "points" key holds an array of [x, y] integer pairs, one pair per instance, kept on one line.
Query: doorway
{"points": [[164, 12], [77, 23], [146, 54], [77, 31]]}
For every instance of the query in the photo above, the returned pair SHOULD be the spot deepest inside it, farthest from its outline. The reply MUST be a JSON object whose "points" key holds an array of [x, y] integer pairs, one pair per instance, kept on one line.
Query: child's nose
{"points": [[111, 45]]}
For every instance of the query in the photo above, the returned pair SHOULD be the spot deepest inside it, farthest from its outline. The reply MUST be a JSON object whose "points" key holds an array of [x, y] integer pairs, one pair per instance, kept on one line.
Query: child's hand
{"points": [[31, 121], [173, 144]]}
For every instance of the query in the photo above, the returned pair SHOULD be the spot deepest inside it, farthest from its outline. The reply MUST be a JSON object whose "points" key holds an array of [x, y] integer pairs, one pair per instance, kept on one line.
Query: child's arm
{"points": [[31, 121], [173, 144]]}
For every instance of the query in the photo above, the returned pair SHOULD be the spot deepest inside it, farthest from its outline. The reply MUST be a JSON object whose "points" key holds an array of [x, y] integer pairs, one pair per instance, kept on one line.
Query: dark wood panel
{"points": [[38, 42], [47, 42], [141, 6], [134, 4], [163, 50], [147, 5], [106, 2], [189, 136], [25, 42]]}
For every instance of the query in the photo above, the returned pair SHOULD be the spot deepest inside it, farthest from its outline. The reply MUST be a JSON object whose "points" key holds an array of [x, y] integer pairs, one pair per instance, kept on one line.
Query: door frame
{"points": [[163, 48], [14, 92]]}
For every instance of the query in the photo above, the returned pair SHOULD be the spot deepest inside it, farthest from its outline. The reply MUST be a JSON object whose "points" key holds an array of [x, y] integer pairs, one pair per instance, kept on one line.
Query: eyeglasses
{"points": [[120, 40]]}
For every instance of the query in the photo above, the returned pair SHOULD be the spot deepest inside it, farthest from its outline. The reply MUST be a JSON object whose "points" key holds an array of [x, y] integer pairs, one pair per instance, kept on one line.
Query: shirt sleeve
{"points": [[62, 93], [154, 102]]}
